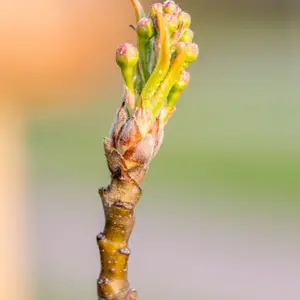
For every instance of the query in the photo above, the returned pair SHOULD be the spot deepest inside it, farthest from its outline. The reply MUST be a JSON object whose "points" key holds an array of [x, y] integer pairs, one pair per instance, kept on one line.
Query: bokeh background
{"points": [[219, 216]]}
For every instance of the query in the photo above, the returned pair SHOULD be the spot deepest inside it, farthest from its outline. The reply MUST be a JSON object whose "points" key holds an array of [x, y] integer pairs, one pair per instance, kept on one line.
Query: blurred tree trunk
{"points": [[14, 256]]}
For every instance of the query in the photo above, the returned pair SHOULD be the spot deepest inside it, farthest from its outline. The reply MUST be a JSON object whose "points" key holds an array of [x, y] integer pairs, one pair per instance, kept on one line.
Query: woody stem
{"points": [[119, 200]]}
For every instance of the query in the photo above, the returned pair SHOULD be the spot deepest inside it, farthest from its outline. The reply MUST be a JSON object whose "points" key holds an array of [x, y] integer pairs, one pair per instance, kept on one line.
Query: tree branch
{"points": [[119, 200], [138, 130]]}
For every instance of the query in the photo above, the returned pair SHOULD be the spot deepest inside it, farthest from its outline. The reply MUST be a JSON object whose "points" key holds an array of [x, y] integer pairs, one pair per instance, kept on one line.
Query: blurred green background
{"points": [[219, 216]]}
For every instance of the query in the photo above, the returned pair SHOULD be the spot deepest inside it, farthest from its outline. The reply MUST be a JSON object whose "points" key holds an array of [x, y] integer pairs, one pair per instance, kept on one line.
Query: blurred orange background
{"points": [[51, 47]]}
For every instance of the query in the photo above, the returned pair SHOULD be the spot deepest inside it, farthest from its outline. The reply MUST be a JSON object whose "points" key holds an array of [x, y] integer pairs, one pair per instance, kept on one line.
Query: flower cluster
{"points": [[155, 74]]}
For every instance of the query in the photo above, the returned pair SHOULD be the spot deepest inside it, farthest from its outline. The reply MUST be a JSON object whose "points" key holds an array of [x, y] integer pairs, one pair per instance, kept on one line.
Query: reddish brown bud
{"points": [[129, 136], [119, 122], [140, 153], [114, 159]]}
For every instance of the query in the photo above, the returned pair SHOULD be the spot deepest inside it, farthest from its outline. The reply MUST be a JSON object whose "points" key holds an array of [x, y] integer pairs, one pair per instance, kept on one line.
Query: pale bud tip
{"points": [[127, 55], [169, 7], [145, 28]]}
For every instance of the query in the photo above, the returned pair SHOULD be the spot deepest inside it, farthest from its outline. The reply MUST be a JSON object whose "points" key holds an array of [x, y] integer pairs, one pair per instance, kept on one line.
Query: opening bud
{"points": [[185, 19], [145, 28], [169, 7], [187, 35]]}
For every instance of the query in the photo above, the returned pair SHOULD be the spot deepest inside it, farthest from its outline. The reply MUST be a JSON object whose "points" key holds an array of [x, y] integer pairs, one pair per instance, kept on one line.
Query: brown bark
{"points": [[119, 200]]}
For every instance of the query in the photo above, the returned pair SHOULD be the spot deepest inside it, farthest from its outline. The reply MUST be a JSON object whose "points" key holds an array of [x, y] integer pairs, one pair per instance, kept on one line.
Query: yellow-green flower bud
{"points": [[177, 11], [127, 57], [185, 19], [145, 28], [191, 50], [169, 7], [156, 7], [172, 22], [187, 35]]}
